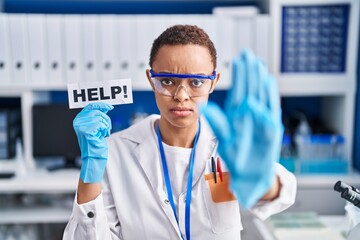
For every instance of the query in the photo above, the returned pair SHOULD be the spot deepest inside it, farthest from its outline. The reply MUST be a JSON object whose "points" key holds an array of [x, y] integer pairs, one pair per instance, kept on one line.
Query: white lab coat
{"points": [[133, 203]]}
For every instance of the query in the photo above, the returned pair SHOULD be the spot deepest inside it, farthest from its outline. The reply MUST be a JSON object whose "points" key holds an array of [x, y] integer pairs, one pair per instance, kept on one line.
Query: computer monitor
{"points": [[53, 133]]}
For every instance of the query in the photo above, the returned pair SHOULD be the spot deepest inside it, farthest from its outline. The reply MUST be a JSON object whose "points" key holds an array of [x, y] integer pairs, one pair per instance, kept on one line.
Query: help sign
{"points": [[113, 92]]}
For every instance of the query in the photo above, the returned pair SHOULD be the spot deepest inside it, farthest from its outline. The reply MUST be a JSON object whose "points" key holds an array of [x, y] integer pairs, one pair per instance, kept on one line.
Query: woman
{"points": [[161, 178]]}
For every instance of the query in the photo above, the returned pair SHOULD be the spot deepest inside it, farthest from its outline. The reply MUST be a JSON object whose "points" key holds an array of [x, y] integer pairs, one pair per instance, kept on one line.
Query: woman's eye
{"points": [[166, 81], [197, 82]]}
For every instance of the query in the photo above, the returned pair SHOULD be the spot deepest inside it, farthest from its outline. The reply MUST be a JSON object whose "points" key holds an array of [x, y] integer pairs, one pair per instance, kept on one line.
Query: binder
{"points": [[208, 24], [55, 48], [143, 28], [109, 65], [73, 48], [148, 27], [4, 51], [127, 47], [226, 50], [89, 27], [262, 37], [245, 34], [19, 49], [177, 19], [36, 36]]}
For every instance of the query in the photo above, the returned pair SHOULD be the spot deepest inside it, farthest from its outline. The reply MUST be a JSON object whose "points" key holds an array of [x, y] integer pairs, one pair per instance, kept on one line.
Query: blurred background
{"points": [[310, 46]]}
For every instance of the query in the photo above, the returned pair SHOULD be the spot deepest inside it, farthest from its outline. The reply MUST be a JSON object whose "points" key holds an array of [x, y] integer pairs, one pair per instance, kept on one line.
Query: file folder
{"points": [[36, 36], [19, 48], [127, 47], [109, 65], [4, 51], [245, 34], [226, 50], [73, 48], [54, 29], [90, 34], [177, 19], [148, 27], [143, 28], [208, 24], [262, 37]]}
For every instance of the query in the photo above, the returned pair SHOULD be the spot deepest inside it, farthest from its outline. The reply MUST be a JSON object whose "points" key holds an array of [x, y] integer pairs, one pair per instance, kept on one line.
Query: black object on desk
{"points": [[6, 175], [53, 133], [349, 193]]}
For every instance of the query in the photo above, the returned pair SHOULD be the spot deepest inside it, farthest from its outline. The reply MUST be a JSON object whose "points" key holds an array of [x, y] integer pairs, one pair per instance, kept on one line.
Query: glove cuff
{"points": [[92, 170]]}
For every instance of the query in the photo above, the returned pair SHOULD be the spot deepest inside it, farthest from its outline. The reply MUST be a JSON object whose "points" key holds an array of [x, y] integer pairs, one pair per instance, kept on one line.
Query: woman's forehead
{"points": [[183, 59]]}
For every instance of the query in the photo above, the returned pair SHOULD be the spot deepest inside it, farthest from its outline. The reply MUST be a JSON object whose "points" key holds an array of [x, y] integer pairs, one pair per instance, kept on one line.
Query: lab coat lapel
{"points": [[149, 159], [149, 156]]}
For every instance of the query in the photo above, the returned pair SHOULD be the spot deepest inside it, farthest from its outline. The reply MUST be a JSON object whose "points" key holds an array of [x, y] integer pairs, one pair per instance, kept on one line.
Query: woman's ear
{"points": [[149, 79], [215, 81]]}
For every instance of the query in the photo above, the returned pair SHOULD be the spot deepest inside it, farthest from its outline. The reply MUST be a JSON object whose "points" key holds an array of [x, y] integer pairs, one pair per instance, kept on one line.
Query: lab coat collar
{"points": [[149, 158], [144, 135]]}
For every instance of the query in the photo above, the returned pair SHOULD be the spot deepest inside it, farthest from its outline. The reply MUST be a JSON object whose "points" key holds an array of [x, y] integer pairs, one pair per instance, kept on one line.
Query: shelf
{"points": [[8, 165], [337, 223], [326, 180], [315, 85], [42, 181], [22, 215]]}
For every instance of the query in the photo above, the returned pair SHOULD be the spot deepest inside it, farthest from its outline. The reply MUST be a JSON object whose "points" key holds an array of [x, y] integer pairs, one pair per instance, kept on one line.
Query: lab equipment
{"points": [[314, 53], [349, 193], [321, 153], [53, 135], [317, 153], [354, 233], [91, 126], [10, 129], [353, 216], [352, 208], [249, 129], [315, 38], [287, 158], [168, 84]]}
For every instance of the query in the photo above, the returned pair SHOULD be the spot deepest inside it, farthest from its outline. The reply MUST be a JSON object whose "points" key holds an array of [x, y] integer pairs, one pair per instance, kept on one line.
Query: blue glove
{"points": [[92, 125], [249, 130]]}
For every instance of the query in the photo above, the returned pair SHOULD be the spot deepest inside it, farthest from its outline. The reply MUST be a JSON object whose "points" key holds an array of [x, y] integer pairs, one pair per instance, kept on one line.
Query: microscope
{"points": [[352, 195], [349, 193]]}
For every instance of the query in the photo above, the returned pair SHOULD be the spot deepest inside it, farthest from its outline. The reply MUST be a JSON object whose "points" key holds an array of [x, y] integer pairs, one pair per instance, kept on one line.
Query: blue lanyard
{"points": [[189, 184]]}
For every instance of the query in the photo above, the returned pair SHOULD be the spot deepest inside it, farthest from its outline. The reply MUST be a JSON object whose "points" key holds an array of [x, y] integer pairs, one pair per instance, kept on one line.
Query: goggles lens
{"points": [[195, 85]]}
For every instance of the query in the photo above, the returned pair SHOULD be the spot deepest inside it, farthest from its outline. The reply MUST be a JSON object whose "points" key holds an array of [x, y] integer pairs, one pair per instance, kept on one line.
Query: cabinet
{"points": [[306, 37]]}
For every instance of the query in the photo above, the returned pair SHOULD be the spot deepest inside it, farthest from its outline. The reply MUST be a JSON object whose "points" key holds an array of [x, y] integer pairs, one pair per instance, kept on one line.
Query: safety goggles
{"points": [[195, 85]]}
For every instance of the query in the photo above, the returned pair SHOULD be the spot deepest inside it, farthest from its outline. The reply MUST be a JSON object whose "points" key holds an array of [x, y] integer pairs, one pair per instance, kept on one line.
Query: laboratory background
{"points": [[310, 46]]}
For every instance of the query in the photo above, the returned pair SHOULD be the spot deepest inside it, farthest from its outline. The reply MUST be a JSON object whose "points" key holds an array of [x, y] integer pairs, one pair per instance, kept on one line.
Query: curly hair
{"points": [[183, 35]]}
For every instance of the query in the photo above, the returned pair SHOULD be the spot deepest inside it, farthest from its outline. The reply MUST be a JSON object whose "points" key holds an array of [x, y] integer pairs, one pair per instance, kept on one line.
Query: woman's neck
{"points": [[178, 136]]}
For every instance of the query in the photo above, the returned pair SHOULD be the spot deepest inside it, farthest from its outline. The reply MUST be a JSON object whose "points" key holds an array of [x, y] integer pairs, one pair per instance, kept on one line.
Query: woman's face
{"points": [[180, 110]]}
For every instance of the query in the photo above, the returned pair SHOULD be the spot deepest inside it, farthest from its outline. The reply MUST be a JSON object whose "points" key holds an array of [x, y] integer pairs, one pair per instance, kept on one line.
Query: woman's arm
{"points": [[94, 215], [87, 192], [274, 191]]}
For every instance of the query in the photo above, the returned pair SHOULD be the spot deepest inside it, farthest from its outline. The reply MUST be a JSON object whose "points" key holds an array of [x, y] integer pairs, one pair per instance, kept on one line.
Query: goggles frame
{"points": [[176, 75]]}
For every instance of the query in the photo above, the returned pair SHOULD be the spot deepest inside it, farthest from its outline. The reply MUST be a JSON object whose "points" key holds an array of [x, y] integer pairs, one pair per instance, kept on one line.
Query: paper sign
{"points": [[114, 92]]}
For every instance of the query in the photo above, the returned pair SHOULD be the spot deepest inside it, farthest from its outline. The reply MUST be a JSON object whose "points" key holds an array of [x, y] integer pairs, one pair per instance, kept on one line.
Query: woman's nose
{"points": [[181, 93]]}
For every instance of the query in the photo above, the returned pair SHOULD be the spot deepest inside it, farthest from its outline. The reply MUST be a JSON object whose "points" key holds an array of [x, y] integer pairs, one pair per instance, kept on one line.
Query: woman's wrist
{"points": [[274, 191], [87, 191]]}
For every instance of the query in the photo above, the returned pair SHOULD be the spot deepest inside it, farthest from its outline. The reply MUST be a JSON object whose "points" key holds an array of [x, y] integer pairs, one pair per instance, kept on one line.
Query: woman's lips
{"points": [[181, 111]]}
